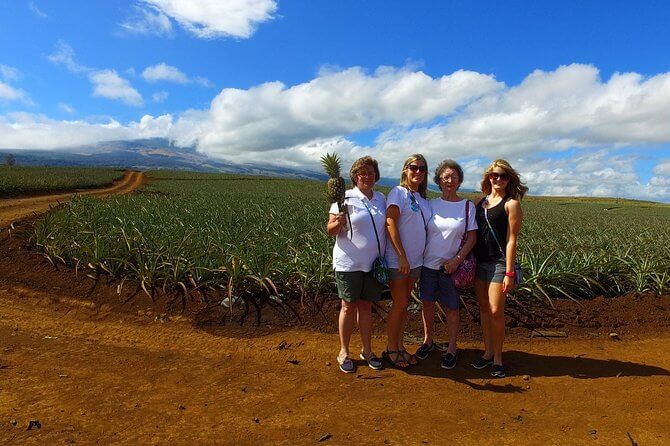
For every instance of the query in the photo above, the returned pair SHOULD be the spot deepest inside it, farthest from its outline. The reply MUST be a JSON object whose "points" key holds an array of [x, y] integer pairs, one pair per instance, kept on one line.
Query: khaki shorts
{"points": [[358, 285]]}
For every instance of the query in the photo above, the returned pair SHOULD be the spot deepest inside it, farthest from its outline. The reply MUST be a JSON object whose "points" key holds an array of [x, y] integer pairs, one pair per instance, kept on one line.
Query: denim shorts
{"points": [[414, 273], [491, 271], [436, 285], [356, 285]]}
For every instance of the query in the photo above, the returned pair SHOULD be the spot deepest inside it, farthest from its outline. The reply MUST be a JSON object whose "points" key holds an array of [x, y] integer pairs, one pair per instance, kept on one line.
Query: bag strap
{"points": [[379, 249], [425, 225], [493, 232], [467, 217]]}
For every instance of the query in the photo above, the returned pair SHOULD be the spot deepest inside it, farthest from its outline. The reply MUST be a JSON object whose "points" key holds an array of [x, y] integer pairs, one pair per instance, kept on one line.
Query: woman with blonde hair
{"points": [[407, 212], [499, 218], [355, 250]]}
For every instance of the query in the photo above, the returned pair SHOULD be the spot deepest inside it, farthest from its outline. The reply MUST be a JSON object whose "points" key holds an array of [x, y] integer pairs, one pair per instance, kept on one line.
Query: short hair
{"points": [[448, 164], [359, 164], [404, 181], [515, 188]]}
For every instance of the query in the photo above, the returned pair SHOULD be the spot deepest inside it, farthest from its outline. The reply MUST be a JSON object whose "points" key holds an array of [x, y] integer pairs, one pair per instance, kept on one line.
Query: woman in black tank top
{"points": [[499, 217]]}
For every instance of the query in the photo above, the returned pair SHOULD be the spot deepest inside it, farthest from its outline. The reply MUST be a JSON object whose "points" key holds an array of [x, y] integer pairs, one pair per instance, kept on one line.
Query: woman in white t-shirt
{"points": [[407, 212], [360, 237], [442, 256]]}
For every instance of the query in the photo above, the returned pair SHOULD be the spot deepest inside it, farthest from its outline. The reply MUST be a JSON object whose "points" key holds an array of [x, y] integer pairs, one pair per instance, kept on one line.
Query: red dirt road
{"points": [[93, 371]]}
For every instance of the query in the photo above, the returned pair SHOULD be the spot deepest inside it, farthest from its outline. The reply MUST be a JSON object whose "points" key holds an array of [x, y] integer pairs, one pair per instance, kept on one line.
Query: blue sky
{"points": [[575, 94]]}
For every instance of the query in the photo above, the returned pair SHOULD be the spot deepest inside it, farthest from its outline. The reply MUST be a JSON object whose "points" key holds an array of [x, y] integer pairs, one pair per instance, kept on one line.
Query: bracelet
{"points": [[510, 274]]}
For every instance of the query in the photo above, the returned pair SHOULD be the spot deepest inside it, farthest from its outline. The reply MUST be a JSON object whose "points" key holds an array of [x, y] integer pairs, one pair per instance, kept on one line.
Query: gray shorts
{"points": [[394, 273], [355, 285], [491, 271]]}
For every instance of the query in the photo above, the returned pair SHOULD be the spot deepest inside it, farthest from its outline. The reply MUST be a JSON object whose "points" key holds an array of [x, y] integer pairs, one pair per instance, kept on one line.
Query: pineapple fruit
{"points": [[335, 185]]}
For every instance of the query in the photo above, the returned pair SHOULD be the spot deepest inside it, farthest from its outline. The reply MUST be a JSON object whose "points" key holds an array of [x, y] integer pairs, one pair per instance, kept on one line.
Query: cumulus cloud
{"points": [[108, 84], [64, 55], [160, 96], [168, 73], [9, 93], [203, 18], [37, 11], [62, 106], [147, 21], [9, 74], [662, 169]]}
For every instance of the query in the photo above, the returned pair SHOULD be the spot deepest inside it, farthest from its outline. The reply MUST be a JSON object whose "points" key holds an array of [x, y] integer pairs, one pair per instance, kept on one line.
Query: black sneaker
{"points": [[482, 363], [449, 361], [498, 371], [424, 350]]}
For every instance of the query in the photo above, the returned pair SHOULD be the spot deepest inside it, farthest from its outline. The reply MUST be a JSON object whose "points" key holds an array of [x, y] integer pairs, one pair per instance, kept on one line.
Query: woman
{"points": [[356, 248], [443, 254], [407, 212], [499, 219]]}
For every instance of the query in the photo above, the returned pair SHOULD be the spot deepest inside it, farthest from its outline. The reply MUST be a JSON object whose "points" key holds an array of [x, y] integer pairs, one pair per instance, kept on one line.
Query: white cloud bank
{"points": [[204, 18], [464, 115]]}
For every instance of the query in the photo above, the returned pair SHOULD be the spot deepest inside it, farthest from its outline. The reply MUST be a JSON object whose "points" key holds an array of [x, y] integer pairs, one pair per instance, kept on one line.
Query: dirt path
{"points": [[18, 208], [93, 373]]}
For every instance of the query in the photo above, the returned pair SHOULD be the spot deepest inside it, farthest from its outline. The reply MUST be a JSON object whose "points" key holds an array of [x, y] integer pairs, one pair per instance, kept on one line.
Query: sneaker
{"points": [[498, 371], [449, 361], [346, 364], [482, 363], [373, 361], [424, 350]]}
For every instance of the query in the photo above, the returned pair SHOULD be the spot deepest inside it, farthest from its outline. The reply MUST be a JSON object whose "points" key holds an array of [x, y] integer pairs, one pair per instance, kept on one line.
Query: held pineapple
{"points": [[335, 185]]}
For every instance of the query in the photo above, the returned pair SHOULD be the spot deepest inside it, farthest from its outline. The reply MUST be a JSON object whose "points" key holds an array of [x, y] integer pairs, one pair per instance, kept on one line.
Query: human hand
{"points": [[403, 265], [451, 265], [508, 284]]}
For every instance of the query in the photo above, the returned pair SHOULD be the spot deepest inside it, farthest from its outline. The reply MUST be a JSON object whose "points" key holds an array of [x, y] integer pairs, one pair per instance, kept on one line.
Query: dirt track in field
{"points": [[14, 209], [93, 371]]}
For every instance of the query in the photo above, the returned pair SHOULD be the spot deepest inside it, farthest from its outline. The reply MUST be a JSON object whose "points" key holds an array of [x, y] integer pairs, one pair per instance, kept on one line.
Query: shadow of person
{"points": [[518, 363]]}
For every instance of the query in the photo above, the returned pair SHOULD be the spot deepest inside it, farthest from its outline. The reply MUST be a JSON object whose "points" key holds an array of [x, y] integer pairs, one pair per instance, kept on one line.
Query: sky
{"points": [[574, 94]]}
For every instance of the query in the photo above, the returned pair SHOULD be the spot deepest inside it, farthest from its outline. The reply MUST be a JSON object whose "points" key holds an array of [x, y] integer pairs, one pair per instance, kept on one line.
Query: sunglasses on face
{"points": [[499, 176], [415, 168]]}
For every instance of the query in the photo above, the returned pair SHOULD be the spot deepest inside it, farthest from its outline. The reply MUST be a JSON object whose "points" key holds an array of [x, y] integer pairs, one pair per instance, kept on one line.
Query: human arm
{"points": [[392, 218], [335, 223], [515, 217], [470, 240]]}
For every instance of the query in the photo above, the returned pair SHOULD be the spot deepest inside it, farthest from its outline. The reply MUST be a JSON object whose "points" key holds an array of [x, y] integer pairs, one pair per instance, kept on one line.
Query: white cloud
{"points": [[9, 74], [39, 13], [164, 72], [147, 21], [9, 93], [206, 18], [108, 84], [662, 169], [62, 106], [64, 55], [203, 81], [29, 131], [160, 96]]}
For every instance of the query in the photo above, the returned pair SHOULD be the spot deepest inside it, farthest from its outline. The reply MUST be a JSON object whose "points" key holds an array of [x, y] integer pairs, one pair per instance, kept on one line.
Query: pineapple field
{"points": [[259, 241]]}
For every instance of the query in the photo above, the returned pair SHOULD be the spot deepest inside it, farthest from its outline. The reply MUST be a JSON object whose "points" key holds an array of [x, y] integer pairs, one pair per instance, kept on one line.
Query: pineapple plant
{"points": [[335, 185]]}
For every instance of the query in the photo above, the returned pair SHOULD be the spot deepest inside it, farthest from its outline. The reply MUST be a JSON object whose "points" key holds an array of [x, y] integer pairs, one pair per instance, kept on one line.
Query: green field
{"points": [[264, 238], [20, 180]]}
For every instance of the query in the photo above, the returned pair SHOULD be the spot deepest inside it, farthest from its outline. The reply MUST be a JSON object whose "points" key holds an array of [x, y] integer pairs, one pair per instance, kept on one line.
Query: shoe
{"points": [[449, 361], [409, 357], [482, 363], [424, 350], [346, 364], [498, 371], [396, 359], [373, 361]]}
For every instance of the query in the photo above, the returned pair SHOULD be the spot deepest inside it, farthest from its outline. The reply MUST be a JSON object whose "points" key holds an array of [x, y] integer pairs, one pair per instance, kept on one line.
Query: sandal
{"points": [[399, 362], [346, 364], [411, 359], [373, 361]]}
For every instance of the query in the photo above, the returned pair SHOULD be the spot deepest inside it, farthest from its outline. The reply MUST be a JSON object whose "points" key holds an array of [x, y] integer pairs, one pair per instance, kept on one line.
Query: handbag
{"points": [[518, 272], [464, 276], [380, 267]]}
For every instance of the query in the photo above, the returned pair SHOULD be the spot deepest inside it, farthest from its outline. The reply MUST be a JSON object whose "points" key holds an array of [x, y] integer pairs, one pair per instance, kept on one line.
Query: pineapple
{"points": [[335, 185]]}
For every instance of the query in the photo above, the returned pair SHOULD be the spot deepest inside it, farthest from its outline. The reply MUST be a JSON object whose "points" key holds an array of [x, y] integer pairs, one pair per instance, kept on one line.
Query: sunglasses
{"points": [[415, 168], [499, 176]]}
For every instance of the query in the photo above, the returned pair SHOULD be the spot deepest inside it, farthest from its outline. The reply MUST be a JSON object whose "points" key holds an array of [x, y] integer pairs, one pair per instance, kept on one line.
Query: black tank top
{"points": [[486, 247]]}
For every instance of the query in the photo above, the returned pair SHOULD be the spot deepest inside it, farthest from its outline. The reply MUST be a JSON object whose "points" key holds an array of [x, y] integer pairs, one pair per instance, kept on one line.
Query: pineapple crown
{"points": [[331, 164]]}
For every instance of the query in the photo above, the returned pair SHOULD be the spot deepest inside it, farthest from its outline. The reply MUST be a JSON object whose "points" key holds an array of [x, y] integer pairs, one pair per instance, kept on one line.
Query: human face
{"points": [[449, 181], [365, 178], [498, 178], [416, 173]]}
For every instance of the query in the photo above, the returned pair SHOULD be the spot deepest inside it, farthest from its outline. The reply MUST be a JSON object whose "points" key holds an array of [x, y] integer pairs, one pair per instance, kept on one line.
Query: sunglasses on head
{"points": [[499, 176], [415, 168]]}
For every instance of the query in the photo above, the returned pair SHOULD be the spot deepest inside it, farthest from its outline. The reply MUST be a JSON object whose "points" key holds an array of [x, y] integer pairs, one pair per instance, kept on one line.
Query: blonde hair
{"points": [[515, 188], [359, 164], [404, 180]]}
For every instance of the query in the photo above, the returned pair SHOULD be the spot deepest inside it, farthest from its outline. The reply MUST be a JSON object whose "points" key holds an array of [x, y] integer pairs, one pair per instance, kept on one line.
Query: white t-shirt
{"points": [[356, 248], [411, 225], [445, 231]]}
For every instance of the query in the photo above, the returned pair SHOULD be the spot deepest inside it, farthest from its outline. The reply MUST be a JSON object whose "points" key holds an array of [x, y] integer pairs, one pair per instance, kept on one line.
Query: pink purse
{"points": [[464, 276]]}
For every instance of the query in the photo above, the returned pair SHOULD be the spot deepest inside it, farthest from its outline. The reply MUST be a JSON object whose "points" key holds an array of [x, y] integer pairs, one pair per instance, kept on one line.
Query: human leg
{"points": [[365, 324], [482, 296], [497, 304]]}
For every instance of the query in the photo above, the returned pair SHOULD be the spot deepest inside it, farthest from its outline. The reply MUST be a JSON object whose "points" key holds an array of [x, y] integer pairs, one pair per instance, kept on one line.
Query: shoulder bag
{"points": [[380, 267], [464, 276]]}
